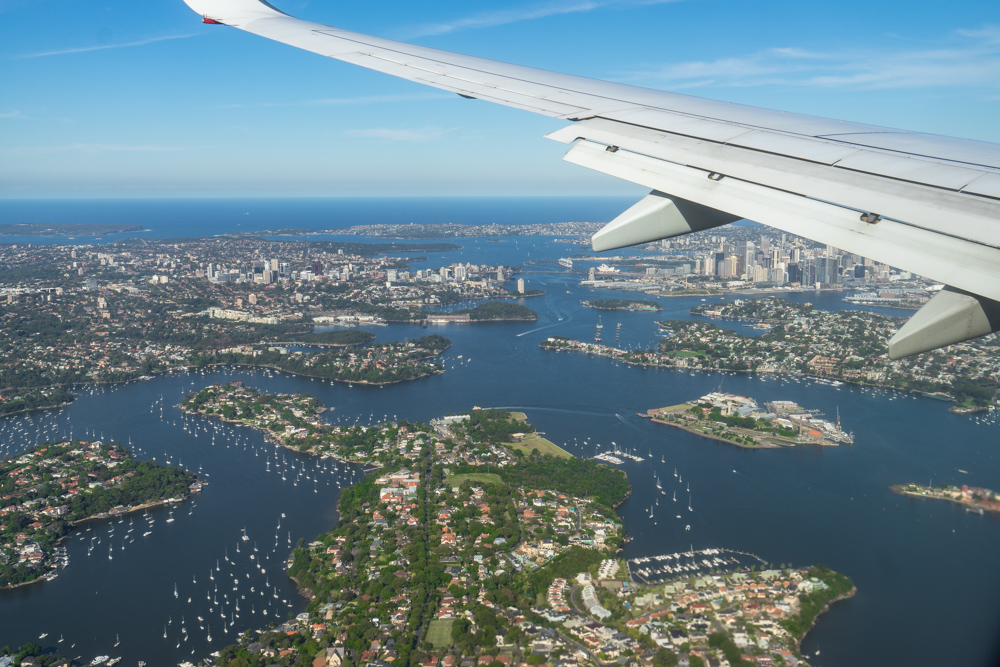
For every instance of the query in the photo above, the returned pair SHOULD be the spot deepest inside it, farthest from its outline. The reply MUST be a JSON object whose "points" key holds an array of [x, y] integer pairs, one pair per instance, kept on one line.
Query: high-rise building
{"points": [[520, 285]]}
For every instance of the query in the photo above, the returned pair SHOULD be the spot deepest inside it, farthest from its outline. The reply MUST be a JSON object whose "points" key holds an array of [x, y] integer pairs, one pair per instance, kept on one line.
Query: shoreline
{"points": [[844, 596], [38, 409], [96, 517]]}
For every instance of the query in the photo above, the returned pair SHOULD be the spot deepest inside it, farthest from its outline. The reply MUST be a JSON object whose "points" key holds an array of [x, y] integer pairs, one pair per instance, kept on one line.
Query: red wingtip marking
{"points": [[211, 21]]}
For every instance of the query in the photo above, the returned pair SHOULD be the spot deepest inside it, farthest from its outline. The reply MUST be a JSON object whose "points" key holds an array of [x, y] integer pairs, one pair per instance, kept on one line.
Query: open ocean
{"points": [[185, 218]]}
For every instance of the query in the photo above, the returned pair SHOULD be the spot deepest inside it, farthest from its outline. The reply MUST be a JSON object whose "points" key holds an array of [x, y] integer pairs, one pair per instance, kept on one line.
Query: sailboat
{"points": [[176, 594]]}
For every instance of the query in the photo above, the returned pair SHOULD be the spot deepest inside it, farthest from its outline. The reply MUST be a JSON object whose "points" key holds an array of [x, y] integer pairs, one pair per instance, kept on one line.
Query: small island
{"points": [[622, 304], [973, 499], [740, 421], [50, 488]]}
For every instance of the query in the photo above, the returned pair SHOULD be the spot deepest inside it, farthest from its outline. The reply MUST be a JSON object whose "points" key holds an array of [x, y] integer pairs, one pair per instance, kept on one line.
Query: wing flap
{"points": [[950, 213], [916, 170], [987, 185], [825, 152], [951, 260]]}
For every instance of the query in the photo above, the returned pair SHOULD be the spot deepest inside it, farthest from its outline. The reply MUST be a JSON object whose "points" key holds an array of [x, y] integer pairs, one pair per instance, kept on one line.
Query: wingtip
{"points": [[223, 11]]}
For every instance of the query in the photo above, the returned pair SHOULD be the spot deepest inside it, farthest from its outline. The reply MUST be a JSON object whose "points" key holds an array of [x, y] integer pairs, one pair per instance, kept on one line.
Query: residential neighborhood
{"points": [[461, 550]]}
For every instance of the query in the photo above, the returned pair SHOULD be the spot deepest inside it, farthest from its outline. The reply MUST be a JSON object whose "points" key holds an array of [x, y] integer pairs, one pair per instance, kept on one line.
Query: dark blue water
{"points": [[927, 581], [180, 218]]}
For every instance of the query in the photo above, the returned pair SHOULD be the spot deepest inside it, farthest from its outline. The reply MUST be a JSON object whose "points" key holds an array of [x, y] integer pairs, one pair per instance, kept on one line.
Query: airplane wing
{"points": [[923, 203]]}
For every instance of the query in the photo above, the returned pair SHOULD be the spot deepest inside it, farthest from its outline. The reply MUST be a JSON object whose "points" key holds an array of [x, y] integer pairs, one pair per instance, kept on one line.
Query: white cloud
{"points": [[12, 114], [500, 17], [973, 61], [344, 101], [988, 33], [87, 49], [399, 134]]}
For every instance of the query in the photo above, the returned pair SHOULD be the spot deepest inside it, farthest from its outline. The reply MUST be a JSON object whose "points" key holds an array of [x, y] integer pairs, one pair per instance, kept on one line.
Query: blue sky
{"points": [[108, 98]]}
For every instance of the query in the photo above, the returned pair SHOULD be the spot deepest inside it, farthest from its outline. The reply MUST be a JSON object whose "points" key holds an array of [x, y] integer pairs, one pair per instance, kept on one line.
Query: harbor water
{"points": [[927, 582]]}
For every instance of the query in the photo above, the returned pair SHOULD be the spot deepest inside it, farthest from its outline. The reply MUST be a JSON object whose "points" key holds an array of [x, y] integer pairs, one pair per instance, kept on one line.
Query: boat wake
{"points": [[547, 326]]}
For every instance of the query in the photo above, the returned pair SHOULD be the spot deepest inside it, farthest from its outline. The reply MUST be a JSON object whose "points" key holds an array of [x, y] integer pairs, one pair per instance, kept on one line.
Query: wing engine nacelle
{"points": [[951, 316], [658, 216]]}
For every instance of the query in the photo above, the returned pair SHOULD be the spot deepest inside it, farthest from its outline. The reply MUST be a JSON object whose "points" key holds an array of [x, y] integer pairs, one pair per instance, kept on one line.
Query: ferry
{"points": [[566, 262]]}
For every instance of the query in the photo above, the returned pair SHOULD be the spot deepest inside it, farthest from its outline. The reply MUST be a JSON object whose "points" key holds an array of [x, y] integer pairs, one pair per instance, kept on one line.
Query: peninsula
{"points": [[292, 420], [380, 364], [48, 489], [65, 229]]}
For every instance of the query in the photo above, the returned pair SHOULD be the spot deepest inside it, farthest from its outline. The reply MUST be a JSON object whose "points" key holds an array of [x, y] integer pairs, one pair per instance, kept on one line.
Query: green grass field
{"points": [[519, 416], [481, 477], [677, 408], [544, 447], [439, 634]]}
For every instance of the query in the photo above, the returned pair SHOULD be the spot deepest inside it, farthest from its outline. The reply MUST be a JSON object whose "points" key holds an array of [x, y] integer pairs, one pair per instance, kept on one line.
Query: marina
{"points": [[654, 569]]}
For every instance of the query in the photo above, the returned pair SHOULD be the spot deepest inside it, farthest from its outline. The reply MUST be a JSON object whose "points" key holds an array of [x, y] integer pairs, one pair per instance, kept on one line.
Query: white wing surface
{"points": [[923, 203]]}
